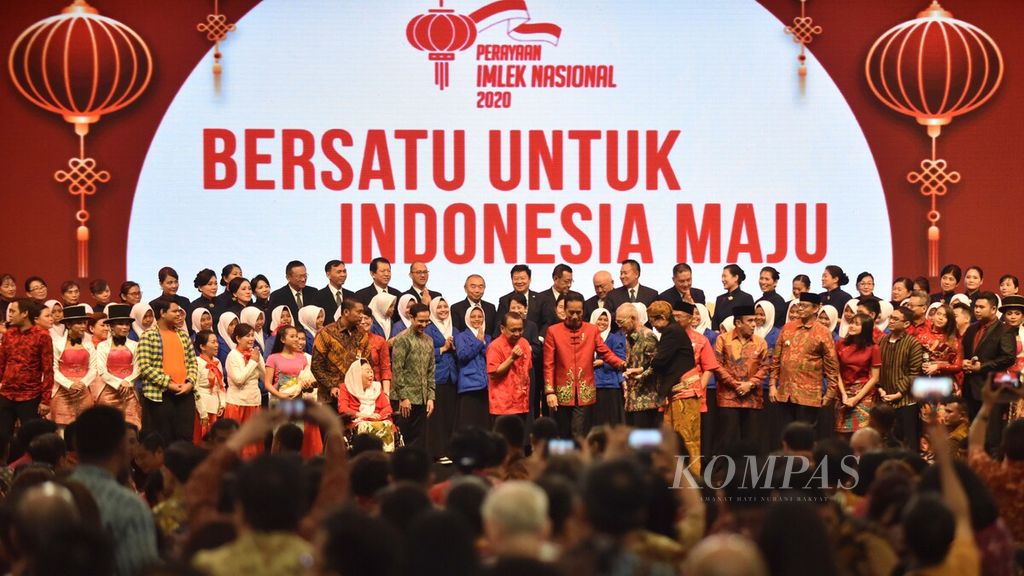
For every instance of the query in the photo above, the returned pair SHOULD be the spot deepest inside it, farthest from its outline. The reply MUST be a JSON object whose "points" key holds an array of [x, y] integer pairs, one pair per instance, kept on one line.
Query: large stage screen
{"points": [[497, 133]]}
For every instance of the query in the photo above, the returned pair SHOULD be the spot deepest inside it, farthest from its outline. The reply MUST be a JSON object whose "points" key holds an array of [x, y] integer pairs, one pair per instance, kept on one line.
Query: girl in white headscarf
{"points": [[471, 350], [446, 374], [364, 398], [702, 324], [728, 324], [609, 409], [254, 317], [312, 320], [58, 329], [931, 310], [764, 329], [382, 306], [849, 311], [882, 322], [225, 343], [829, 317], [641, 313], [201, 320], [404, 321], [143, 319]]}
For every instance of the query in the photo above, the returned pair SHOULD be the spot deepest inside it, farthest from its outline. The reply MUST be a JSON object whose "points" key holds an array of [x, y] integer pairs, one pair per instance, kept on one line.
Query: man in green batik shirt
{"points": [[412, 363], [641, 388]]}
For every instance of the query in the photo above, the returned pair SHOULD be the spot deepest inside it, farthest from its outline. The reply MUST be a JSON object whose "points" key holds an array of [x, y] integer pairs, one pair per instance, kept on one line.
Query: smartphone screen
{"points": [[932, 388], [644, 439], [557, 446]]}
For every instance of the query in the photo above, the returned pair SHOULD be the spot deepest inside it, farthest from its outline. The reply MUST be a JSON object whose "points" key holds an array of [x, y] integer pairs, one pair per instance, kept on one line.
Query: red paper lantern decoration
{"points": [[934, 68], [442, 33], [82, 66]]}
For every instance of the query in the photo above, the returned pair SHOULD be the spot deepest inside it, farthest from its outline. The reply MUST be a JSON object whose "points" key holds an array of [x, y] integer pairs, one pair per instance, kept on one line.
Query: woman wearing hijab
{"points": [[829, 318], [143, 319], [364, 398], [73, 369], [280, 316], [311, 319], [202, 319], [115, 366], [885, 311], [446, 375], [609, 407], [849, 311], [764, 326], [226, 325], [382, 306], [471, 352], [57, 330], [380, 353], [254, 317], [404, 303], [701, 322]]}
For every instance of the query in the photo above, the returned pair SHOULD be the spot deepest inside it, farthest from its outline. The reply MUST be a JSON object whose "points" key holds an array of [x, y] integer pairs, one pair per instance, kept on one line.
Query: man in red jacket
{"points": [[569, 349], [26, 367]]}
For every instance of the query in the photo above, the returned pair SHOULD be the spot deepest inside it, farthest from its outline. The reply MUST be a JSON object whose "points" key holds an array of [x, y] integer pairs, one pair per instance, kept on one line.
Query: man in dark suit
{"points": [[380, 272], [989, 347], [682, 289], [604, 287], [521, 277], [331, 296], [295, 294], [631, 289], [420, 275], [542, 309], [474, 287]]}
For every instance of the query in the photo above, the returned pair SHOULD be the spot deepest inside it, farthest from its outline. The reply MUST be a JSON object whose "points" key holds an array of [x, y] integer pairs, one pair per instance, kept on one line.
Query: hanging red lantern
{"points": [[934, 68], [82, 66], [442, 33]]}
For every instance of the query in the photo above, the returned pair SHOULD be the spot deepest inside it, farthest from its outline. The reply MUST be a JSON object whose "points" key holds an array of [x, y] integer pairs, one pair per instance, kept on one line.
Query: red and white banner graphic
{"points": [[517, 17]]}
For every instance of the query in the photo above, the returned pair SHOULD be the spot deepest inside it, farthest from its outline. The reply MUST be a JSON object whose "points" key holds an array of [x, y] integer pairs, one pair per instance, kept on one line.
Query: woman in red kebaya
{"points": [[859, 361]]}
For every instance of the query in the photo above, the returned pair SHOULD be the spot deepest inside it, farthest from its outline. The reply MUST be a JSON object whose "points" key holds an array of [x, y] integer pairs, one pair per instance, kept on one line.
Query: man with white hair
{"points": [[866, 440], [516, 523], [725, 555]]}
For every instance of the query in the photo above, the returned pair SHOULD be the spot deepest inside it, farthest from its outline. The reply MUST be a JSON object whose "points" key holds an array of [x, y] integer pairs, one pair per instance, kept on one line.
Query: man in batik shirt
{"points": [[336, 346], [805, 356], [412, 362], [743, 364], [641, 387]]}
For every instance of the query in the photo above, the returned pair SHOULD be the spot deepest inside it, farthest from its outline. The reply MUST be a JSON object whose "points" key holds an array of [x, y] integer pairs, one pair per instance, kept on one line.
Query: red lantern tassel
{"points": [[933, 251], [83, 251], [441, 74]]}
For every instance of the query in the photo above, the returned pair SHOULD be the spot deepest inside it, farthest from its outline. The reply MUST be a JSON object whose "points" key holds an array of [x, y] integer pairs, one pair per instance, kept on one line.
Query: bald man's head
{"points": [[865, 440], [39, 512], [725, 555], [603, 284]]}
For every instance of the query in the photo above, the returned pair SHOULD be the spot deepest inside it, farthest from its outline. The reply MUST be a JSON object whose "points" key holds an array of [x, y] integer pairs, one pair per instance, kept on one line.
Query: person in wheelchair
{"points": [[364, 399]]}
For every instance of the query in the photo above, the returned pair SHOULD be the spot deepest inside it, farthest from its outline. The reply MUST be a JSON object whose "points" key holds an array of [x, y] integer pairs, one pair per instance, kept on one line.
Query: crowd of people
{"points": [[330, 431]]}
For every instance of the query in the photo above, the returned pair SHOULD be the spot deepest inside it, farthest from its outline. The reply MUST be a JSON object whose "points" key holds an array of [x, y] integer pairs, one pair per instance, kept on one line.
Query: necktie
{"points": [[632, 294], [337, 298], [298, 299]]}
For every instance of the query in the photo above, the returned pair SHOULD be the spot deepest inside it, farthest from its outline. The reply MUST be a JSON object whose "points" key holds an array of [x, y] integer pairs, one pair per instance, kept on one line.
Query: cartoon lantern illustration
{"points": [[82, 66], [934, 68], [442, 33]]}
